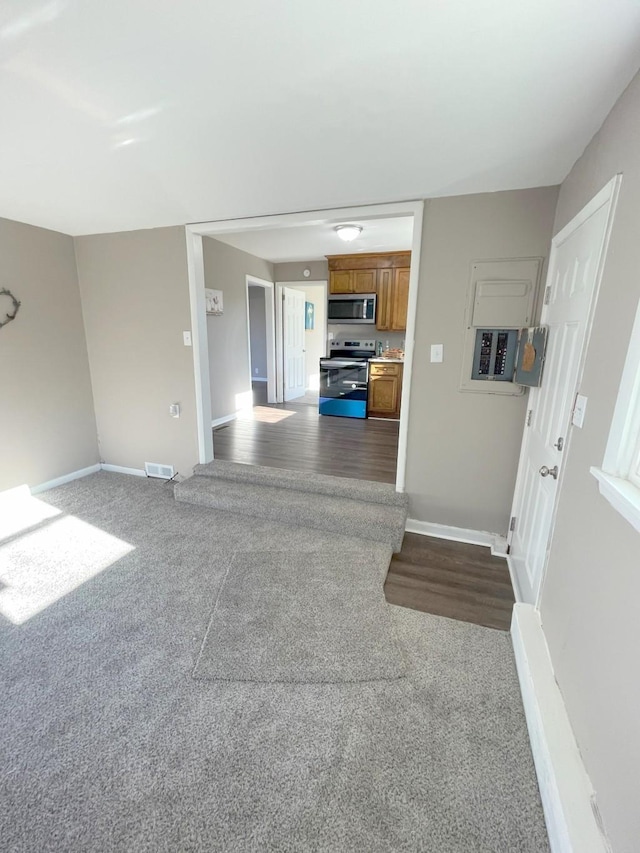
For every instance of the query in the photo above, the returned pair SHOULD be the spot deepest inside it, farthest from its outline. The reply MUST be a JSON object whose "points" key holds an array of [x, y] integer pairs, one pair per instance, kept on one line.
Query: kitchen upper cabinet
{"points": [[385, 389], [384, 273], [393, 299], [400, 302], [341, 281], [383, 308], [353, 281], [365, 281]]}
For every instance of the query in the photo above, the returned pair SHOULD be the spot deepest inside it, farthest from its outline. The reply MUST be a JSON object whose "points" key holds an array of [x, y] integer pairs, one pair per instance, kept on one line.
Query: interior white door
{"points": [[575, 264], [293, 349]]}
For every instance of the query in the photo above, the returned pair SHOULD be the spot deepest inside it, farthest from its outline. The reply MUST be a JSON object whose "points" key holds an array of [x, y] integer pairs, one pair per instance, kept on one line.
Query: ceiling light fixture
{"points": [[348, 232]]}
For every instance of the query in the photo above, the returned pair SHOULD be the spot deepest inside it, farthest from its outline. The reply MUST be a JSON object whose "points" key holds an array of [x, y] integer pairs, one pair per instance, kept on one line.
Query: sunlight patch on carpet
{"points": [[19, 511], [39, 568]]}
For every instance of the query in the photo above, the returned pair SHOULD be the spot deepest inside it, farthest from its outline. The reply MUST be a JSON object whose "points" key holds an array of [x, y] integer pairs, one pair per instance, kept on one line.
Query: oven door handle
{"points": [[329, 363]]}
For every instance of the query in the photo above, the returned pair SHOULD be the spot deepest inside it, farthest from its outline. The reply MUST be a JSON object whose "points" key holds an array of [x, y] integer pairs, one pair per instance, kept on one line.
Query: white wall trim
{"points": [[200, 342], [409, 345], [515, 583], [259, 379], [120, 469], [497, 543], [623, 495], [66, 478], [225, 419], [565, 787]]}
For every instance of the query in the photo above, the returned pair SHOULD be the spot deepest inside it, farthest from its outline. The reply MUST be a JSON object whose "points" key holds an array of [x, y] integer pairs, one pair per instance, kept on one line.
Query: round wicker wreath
{"points": [[9, 316]]}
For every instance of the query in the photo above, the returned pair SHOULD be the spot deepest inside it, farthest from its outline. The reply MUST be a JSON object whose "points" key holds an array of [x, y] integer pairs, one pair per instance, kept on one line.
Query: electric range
{"points": [[344, 378]]}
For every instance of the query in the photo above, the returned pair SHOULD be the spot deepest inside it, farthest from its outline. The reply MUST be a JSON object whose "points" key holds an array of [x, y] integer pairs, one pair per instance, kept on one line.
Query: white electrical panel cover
{"points": [[502, 304], [502, 295]]}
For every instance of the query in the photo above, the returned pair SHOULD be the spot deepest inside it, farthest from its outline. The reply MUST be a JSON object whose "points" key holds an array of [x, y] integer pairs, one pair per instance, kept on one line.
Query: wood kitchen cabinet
{"points": [[393, 299], [385, 389], [353, 281], [383, 273]]}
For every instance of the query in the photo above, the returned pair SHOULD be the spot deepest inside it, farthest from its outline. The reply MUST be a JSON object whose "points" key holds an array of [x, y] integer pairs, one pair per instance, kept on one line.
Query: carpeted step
{"points": [[365, 520], [303, 481]]}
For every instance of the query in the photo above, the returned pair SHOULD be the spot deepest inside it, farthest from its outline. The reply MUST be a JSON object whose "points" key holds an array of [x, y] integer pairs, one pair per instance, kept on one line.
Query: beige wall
{"points": [[47, 424], [589, 604], [135, 301], [226, 268], [463, 447], [294, 271]]}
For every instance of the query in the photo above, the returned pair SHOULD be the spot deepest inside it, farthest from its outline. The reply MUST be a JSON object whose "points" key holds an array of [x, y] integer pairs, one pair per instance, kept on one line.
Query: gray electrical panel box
{"points": [[494, 356]]}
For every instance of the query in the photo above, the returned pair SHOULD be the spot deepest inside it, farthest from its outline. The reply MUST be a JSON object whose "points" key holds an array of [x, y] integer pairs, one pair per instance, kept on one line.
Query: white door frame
{"points": [[195, 265], [298, 285], [608, 194], [269, 317]]}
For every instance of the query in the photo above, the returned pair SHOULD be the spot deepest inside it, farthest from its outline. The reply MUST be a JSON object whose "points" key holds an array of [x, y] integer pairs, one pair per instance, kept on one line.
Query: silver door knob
{"points": [[544, 471]]}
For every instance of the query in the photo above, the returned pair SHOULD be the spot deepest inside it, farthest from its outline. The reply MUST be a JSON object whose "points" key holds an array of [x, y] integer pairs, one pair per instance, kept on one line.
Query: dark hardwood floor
{"points": [[451, 579], [293, 435]]}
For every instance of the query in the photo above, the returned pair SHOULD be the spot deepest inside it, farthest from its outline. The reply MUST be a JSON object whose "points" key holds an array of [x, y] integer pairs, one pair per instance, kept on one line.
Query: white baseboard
{"points": [[514, 579], [565, 787], [223, 420], [498, 544], [259, 379], [66, 478], [120, 469]]}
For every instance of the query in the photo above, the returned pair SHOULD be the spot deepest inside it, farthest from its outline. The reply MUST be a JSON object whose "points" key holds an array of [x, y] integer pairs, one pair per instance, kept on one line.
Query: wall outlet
{"points": [[255, 370], [186, 338]]}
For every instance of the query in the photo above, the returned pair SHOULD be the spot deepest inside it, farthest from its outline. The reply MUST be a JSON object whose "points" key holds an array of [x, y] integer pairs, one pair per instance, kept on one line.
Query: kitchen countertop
{"points": [[381, 360]]}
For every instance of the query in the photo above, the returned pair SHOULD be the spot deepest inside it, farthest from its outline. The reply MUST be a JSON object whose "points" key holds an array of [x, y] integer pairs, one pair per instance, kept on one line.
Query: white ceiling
{"points": [[314, 242], [140, 113]]}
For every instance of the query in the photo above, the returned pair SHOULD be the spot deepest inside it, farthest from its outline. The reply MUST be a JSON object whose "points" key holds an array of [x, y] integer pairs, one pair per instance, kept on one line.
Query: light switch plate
{"points": [[579, 409], [186, 337], [437, 353]]}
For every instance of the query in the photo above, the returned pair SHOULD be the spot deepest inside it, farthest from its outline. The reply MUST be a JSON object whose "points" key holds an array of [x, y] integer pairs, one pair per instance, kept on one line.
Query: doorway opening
{"points": [[261, 340], [297, 373]]}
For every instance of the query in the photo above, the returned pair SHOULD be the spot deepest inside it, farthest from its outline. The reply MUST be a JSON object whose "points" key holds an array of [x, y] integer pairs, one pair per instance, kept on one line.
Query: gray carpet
{"points": [[290, 616], [109, 744], [303, 481], [305, 509]]}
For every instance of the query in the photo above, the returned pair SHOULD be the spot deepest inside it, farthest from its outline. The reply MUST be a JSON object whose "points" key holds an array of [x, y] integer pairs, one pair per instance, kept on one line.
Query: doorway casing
{"points": [[195, 261]]}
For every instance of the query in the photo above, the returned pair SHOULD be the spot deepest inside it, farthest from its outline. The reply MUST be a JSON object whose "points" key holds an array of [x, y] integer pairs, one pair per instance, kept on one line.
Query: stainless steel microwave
{"points": [[351, 308]]}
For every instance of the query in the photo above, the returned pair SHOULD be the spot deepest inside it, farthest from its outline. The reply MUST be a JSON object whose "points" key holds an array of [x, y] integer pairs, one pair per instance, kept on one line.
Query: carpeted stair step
{"points": [[365, 520], [303, 481]]}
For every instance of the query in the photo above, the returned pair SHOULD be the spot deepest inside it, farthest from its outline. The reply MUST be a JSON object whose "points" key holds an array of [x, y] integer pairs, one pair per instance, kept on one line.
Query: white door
{"points": [[575, 265], [293, 349]]}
